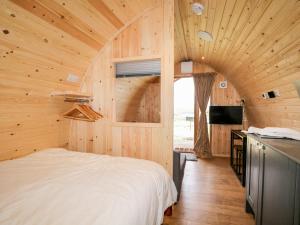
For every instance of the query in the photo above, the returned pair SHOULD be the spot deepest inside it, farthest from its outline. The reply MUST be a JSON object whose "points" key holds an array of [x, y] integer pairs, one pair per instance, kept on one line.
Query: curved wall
{"points": [[41, 42], [255, 44], [149, 37]]}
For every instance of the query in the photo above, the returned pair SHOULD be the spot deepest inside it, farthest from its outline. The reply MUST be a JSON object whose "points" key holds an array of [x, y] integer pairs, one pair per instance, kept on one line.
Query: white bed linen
{"points": [[60, 187], [275, 132]]}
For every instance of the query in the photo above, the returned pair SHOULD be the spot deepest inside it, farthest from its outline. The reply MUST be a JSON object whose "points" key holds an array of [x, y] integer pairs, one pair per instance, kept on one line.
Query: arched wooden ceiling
{"points": [[64, 34], [256, 44], [41, 43]]}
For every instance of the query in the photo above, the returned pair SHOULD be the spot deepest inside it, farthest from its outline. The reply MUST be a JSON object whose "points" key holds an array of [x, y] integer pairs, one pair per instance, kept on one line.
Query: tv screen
{"points": [[225, 114]]}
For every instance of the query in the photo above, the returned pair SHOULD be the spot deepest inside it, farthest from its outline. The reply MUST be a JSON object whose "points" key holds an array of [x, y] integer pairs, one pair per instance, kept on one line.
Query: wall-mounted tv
{"points": [[225, 114]]}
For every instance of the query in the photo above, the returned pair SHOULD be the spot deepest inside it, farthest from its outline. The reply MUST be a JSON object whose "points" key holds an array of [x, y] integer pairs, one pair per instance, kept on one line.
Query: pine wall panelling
{"points": [[220, 134], [255, 45], [137, 99], [41, 42], [150, 35]]}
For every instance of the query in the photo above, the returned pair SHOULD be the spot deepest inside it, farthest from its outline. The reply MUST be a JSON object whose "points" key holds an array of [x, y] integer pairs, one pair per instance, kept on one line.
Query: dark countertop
{"points": [[287, 147]]}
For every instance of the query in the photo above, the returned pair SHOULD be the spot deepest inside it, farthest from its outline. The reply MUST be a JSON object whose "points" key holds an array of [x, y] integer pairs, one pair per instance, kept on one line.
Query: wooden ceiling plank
{"points": [[183, 16], [291, 64], [243, 19], [56, 20], [44, 61], [211, 6], [73, 20], [200, 25], [226, 18], [180, 31], [217, 21], [277, 38], [47, 42], [106, 12], [277, 28], [270, 59], [281, 76], [253, 20], [232, 25], [260, 30]]}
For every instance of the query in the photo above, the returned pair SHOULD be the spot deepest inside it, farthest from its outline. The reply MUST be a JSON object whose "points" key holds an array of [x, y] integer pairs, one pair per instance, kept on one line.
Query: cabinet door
{"points": [[277, 190], [252, 173]]}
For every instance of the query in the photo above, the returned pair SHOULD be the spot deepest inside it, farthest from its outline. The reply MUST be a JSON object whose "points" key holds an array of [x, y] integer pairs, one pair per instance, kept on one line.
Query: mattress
{"points": [[60, 187]]}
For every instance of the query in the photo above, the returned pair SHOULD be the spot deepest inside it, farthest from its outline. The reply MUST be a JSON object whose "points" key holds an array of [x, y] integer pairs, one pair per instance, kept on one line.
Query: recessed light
{"points": [[205, 36], [197, 8], [202, 57]]}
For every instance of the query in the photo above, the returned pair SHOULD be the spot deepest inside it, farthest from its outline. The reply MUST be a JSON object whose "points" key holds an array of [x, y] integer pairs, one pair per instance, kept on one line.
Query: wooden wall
{"points": [[220, 134], [138, 99], [41, 42], [34, 61], [151, 36], [149, 110], [255, 44]]}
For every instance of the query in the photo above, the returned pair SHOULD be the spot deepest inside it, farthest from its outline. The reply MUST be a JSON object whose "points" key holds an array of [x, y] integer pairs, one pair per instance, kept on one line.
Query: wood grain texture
{"points": [[220, 134], [144, 37], [138, 99], [255, 45], [41, 42], [210, 194]]}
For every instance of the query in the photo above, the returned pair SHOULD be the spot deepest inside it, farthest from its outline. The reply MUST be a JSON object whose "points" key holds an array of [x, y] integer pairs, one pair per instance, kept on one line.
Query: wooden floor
{"points": [[211, 195]]}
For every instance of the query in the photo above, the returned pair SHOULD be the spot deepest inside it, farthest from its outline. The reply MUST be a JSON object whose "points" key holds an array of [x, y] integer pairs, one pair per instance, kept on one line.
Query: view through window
{"points": [[184, 113]]}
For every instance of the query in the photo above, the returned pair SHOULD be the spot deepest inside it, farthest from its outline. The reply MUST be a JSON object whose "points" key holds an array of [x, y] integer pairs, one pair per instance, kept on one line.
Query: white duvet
{"points": [[60, 187], [275, 132]]}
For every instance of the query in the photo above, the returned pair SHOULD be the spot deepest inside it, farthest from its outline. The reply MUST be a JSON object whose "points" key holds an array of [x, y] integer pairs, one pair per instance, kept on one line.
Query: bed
{"points": [[61, 187]]}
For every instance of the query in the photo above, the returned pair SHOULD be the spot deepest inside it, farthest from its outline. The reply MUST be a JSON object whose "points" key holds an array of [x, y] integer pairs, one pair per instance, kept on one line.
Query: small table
{"points": [[238, 154]]}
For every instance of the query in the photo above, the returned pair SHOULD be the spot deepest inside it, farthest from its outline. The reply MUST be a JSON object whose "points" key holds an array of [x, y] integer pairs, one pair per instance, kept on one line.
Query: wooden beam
{"points": [[106, 12], [197, 68], [44, 12], [180, 30]]}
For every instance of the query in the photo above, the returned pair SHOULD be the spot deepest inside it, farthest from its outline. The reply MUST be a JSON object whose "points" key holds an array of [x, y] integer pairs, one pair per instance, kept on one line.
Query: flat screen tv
{"points": [[225, 114]]}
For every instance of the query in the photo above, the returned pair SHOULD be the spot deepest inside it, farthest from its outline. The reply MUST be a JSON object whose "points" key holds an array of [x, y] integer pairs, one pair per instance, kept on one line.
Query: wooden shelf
{"points": [[136, 58], [71, 94]]}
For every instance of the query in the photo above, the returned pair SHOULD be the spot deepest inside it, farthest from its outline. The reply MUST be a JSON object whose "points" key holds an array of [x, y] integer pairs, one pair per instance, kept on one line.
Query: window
{"points": [[137, 91]]}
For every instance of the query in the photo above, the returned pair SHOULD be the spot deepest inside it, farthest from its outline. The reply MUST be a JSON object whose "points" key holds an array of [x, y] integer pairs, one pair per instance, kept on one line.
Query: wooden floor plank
{"points": [[211, 195]]}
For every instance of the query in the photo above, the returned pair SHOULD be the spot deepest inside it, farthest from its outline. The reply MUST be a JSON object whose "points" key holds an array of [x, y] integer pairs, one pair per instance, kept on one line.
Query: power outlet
{"points": [[270, 94]]}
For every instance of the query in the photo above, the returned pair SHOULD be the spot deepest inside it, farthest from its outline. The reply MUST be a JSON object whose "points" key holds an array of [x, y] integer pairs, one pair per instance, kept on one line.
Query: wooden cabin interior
{"points": [[87, 116]]}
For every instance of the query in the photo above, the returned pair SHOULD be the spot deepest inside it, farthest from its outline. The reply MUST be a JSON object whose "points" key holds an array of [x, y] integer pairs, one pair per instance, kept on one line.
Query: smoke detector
{"points": [[205, 36], [197, 8]]}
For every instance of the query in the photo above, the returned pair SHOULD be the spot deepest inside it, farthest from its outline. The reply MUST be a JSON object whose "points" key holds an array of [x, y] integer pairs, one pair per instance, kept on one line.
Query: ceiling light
{"points": [[197, 8], [205, 36], [202, 57]]}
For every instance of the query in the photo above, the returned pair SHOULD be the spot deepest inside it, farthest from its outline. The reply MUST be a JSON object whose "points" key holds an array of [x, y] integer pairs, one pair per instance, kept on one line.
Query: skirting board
{"points": [[221, 155]]}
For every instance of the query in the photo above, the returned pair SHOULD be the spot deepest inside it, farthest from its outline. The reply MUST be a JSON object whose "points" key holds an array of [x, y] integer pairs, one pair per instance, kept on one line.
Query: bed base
{"points": [[169, 211]]}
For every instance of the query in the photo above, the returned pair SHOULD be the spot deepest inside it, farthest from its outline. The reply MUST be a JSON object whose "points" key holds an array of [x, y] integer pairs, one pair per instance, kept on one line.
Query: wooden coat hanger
{"points": [[82, 112]]}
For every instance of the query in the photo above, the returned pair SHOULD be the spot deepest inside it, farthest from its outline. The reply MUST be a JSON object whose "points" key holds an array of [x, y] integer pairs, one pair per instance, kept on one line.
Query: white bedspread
{"points": [[60, 187], [275, 132]]}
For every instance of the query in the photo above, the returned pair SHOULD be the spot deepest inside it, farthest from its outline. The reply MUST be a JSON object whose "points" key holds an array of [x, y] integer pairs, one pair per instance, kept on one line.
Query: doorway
{"points": [[184, 114], [184, 95]]}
